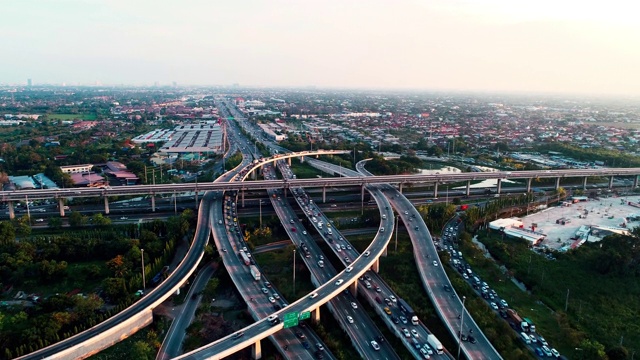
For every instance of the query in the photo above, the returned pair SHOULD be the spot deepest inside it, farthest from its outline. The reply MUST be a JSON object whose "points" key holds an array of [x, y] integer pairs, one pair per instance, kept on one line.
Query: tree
{"points": [[118, 265], [22, 226], [100, 220], [592, 350], [55, 223], [210, 290], [618, 353], [115, 289], [7, 233], [76, 219]]}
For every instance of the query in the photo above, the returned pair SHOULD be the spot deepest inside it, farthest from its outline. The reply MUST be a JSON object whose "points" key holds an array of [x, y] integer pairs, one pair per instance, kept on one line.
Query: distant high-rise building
{"points": [[29, 82]]}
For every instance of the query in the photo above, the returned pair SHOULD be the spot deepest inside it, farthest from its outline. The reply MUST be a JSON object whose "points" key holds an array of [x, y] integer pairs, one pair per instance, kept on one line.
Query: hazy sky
{"points": [[583, 46]]}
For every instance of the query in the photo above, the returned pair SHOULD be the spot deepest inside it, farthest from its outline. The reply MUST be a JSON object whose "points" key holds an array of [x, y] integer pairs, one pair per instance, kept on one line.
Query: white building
{"points": [[76, 169]]}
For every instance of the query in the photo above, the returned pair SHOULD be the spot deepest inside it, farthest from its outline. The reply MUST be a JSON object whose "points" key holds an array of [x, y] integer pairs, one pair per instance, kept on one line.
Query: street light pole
{"points": [[461, 322], [144, 283], [397, 224], [294, 272]]}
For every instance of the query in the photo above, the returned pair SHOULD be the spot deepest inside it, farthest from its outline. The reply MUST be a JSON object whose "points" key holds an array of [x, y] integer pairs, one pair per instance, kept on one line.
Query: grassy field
{"points": [[305, 171], [64, 117]]}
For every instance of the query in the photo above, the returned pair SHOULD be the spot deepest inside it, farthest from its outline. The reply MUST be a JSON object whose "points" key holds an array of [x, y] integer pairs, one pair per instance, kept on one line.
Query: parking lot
{"points": [[608, 212]]}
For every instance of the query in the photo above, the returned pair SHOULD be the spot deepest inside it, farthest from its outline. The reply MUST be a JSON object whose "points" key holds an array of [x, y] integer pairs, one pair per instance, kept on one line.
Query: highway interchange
{"points": [[332, 288]]}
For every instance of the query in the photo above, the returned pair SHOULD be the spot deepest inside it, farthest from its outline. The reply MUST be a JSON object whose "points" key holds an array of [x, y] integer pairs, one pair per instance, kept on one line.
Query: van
{"points": [[525, 338], [469, 272]]}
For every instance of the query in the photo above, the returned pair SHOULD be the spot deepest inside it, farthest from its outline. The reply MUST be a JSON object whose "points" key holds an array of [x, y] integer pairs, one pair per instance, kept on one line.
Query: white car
{"points": [[313, 295], [555, 353], [393, 298], [504, 303], [494, 306], [367, 253], [350, 319], [435, 263], [375, 345], [406, 332], [339, 282], [271, 299], [414, 333], [354, 305], [349, 268]]}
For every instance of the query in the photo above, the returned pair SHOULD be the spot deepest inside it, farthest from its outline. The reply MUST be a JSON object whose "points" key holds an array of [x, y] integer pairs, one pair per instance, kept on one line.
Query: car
{"points": [[264, 290], [447, 288], [378, 300], [387, 310], [539, 352], [339, 282], [403, 319], [428, 348], [546, 350], [435, 263], [416, 228], [425, 353], [293, 229], [313, 295], [350, 319], [393, 298], [304, 232], [276, 296], [406, 213], [349, 268], [406, 333], [272, 318], [494, 306], [543, 341], [471, 339], [306, 345], [504, 303], [367, 253], [395, 319], [271, 299], [375, 346], [319, 347], [267, 284], [224, 249], [378, 289], [354, 305], [503, 314], [124, 218], [347, 260], [238, 335], [555, 353], [39, 220], [415, 333], [300, 335]]}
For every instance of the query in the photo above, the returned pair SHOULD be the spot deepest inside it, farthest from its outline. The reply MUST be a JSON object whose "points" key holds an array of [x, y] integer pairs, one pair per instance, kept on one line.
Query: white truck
{"points": [[255, 272], [433, 341]]}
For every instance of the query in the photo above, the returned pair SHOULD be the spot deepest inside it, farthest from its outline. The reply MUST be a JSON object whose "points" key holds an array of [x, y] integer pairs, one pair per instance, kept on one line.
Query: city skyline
{"points": [[415, 45]]}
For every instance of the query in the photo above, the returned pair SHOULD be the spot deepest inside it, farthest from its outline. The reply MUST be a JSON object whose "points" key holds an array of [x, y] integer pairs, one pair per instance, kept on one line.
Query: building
{"points": [[76, 169], [118, 171], [514, 228]]}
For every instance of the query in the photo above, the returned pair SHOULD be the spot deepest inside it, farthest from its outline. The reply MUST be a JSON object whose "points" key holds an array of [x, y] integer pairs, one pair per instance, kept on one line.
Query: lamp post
{"points": [[397, 224], [294, 272], [461, 322], [144, 284]]}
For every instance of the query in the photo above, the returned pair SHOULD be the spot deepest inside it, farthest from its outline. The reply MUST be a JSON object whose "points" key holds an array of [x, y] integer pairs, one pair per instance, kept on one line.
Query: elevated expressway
{"points": [[361, 329], [434, 278], [378, 288]]}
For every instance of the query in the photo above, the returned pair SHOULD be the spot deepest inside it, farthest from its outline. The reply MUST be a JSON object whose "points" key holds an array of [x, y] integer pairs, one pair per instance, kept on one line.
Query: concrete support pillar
{"points": [[557, 183], [196, 200], [610, 182], [242, 196], [362, 194], [584, 183], [317, 156], [254, 175], [499, 189], [400, 188], [61, 206], [106, 205], [301, 159], [353, 288], [529, 184], [315, 315], [256, 350], [153, 202], [384, 253], [468, 187], [12, 212], [635, 181], [376, 266], [289, 161], [284, 192], [324, 194], [435, 190]]}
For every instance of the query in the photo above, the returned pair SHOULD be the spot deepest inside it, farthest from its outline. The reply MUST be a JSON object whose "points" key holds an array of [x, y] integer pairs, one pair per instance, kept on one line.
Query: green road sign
{"points": [[305, 315], [230, 118], [290, 320]]}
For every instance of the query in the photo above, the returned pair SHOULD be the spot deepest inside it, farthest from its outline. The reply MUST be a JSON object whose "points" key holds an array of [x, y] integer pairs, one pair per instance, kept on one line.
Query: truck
{"points": [[513, 315], [254, 272], [245, 258], [161, 275], [435, 344], [532, 327], [405, 308]]}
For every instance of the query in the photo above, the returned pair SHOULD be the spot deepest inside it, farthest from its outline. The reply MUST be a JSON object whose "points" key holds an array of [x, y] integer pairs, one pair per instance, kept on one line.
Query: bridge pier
{"points": [[106, 205], [153, 202], [254, 175], [376, 266], [289, 161], [256, 350], [499, 189], [635, 181], [384, 253], [611, 182], [557, 183], [468, 187], [353, 288], [435, 190], [242, 196], [196, 199], [529, 180], [400, 188], [61, 206], [315, 315], [362, 197], [584, 183], [324, 194], [12, 213], [301, 159]]}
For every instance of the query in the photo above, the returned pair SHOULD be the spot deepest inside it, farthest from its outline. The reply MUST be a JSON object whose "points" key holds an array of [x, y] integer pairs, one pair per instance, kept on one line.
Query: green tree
{"points": [[141, 350], [22, 226], [210, 290], [76, 219], [592, 350], [115, 289], [55, 222], [7, 233], [100, 220]]}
